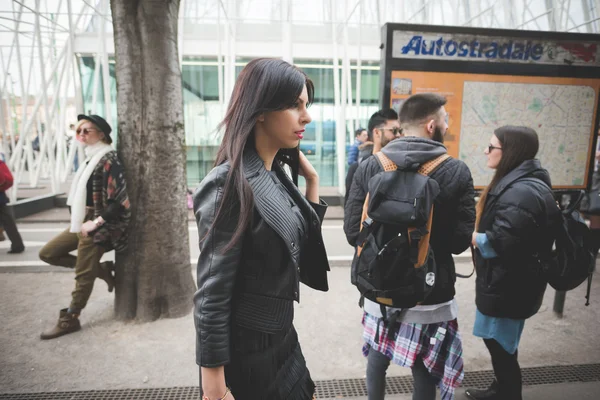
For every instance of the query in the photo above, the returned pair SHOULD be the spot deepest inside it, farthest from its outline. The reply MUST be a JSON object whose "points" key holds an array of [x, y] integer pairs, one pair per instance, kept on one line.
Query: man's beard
{"points": [[437, 135]]}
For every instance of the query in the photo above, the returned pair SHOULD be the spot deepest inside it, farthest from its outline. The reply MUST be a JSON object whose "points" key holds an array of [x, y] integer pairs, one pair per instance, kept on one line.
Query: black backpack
{"points": [[394, 265], [572, 259]]}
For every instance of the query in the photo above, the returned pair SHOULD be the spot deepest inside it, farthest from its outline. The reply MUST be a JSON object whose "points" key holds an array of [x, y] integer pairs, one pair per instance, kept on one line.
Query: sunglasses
{"points": [[491, 147], [85, 131], [395, 131]]}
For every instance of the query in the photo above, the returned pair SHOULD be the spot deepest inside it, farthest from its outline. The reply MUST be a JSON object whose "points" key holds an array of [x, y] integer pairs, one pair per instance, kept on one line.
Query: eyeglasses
{"points": [[85, 131], [491, 147], [395, 131]]}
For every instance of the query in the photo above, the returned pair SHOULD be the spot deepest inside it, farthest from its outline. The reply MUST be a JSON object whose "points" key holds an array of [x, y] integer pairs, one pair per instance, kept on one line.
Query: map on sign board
{"points": [[561, 110], [560, 114]]}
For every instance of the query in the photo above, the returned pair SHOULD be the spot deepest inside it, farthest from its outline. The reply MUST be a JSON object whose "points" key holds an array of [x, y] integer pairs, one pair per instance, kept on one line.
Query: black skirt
{"points": [[267, 366]]}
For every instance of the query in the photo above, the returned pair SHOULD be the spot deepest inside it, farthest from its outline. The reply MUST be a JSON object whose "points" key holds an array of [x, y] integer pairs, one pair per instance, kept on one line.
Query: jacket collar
{"points": [[272, 212], [526, 168]]}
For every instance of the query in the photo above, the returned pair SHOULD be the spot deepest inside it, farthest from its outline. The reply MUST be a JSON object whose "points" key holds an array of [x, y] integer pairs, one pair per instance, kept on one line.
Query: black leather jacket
{"points": [[255, 283]]}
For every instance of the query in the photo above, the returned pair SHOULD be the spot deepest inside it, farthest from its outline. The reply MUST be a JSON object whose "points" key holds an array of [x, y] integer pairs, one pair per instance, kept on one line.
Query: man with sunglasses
{"points": [[383, 128], [423, 120]]}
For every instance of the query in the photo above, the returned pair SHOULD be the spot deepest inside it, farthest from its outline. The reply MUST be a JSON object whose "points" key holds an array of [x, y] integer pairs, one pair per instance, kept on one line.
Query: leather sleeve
{"points": [[320, 209], [464, 224], [216, 271]]}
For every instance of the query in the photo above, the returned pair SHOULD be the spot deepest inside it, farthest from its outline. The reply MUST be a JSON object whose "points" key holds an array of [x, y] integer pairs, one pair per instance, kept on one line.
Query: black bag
{"points": [[572, 259], [394, 265], [590, 203]]}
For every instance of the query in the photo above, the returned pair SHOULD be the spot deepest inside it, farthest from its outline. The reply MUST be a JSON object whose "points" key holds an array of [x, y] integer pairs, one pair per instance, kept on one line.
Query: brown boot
{"points": [[67, 323], [106, 274]]}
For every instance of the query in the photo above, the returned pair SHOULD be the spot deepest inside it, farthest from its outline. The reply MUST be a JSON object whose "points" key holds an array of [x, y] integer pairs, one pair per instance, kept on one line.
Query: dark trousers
{"points": [[7, 221], [377, 364], [506, 369]]}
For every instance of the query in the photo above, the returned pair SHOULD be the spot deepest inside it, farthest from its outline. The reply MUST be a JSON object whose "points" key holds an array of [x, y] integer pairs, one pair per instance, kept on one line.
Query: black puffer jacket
{"points": [[454, 210], [518, 220]]}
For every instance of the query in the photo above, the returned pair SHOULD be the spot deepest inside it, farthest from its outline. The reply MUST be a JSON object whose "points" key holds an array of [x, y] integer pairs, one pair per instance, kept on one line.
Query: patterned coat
{"points": [[110, 188]]}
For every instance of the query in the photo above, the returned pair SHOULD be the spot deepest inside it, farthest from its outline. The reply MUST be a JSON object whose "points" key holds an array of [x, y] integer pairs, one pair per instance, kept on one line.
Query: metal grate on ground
{"points": [[331, 389]]}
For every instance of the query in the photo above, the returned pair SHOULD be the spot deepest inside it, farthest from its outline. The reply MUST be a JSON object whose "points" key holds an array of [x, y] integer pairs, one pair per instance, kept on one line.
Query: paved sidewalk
{"points": [[107, 354], [563, 391]]}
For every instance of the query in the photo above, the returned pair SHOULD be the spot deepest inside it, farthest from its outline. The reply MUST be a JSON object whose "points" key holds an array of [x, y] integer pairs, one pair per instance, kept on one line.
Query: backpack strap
{"points": [[386, 163], [421, 239], [430, 166], [365, 222]]}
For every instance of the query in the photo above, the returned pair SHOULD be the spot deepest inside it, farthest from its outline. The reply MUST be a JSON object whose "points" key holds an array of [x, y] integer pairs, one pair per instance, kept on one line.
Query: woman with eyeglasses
{"points": [[515, 216], [100, 214]]}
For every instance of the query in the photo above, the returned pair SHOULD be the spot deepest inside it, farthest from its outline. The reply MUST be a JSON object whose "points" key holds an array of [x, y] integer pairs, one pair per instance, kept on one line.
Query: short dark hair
{"points": [[420, 106], [358, 132], [380, 118]]}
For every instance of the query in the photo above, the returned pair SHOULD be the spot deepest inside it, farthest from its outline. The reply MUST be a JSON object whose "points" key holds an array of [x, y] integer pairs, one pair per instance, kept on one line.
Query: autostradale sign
{"points": [[463, 47]]}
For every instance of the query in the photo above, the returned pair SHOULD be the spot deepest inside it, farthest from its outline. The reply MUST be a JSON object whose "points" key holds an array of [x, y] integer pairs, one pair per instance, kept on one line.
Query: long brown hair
{"points": [[263, 86], [519, 143]]}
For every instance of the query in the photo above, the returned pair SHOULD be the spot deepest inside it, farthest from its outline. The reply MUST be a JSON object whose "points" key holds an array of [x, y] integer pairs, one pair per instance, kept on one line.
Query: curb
{"points": [[35, 266]]}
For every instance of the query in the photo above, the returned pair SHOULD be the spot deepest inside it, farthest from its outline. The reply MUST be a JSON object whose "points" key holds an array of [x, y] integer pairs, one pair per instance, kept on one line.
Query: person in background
{"points": [[7, 221], [360, 136], [383, 128], [100, 214], [73, 140], [515, 220]]}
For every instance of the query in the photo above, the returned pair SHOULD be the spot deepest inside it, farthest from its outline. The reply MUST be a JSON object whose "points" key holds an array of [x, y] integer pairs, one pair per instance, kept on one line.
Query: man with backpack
{"points": [[6, 219], [420, 210]]}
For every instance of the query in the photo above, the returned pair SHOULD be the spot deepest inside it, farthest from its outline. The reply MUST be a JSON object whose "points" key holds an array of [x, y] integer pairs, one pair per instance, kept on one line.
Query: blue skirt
{"points": [[505, 331]]}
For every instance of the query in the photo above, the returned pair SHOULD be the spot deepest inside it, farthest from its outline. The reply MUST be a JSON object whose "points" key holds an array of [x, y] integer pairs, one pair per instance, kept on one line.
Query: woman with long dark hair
{"points": [[259, 238], [515, 216]]}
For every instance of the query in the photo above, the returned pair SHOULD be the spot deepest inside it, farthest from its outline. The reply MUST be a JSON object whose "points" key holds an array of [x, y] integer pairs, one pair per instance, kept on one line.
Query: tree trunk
{"points": [[154, 277]]}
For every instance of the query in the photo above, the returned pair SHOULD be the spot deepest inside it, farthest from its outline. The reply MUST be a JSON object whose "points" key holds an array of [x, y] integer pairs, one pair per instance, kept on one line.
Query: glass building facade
{"points": [[203, 110], [63, 71]]}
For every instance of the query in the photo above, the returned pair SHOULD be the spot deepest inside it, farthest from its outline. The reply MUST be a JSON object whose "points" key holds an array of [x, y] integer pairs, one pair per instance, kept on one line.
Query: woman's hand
{"points": [[306, 169], [474, 239], [212, 381], [312, 179], [87, 227]]}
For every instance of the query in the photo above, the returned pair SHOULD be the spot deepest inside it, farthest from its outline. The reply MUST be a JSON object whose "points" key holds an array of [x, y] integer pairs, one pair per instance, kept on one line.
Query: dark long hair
{"points": [[264, 85], [519, 143]]}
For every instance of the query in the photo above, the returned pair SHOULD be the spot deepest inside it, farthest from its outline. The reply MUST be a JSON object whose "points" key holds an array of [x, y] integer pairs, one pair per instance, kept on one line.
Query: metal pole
{"points": [[286, 32], [340, 124], [359, 63], [220, 59], [559, 303], [105, 66], [348, 73]]}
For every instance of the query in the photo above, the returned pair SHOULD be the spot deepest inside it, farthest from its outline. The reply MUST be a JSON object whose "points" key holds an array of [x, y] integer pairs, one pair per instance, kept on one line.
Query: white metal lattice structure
{"points": [[40, 81]]}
